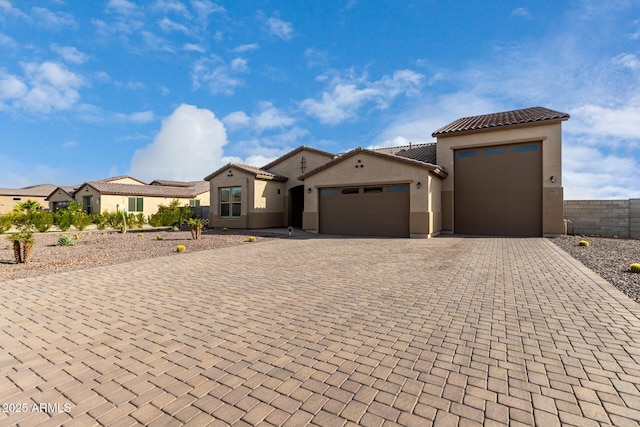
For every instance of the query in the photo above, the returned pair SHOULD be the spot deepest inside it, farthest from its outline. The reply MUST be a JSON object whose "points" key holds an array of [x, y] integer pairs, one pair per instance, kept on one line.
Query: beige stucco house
{"points": [[130, 194], [494, 174], [9, 197]]}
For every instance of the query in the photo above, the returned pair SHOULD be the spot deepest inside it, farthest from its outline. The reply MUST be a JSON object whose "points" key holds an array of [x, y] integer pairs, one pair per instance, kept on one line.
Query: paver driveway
{"points": [[328, 332]]}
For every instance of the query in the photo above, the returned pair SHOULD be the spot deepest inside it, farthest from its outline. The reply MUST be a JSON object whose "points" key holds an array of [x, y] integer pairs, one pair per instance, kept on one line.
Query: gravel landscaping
{"points": [[608, 257], [108, 247]]}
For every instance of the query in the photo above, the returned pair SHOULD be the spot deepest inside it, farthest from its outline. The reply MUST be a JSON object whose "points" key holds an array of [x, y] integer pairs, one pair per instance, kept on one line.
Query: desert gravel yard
{"points": [[608, 257], [107, 247]]}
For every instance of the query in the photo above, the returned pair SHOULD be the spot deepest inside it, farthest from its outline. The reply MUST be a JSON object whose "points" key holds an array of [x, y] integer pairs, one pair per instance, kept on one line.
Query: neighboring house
{"points": [[130, 194], [9, 197], [495, 174]]}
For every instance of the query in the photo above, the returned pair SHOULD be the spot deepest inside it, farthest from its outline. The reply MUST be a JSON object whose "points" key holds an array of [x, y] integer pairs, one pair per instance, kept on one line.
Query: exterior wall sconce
{"points": [[309, 190], [419, 184], [552, 179]]}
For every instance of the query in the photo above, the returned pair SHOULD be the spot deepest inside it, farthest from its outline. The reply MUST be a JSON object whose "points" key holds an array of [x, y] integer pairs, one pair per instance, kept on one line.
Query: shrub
{"points": [[196, 225], [65, 240], [583, 243], [140, 234], [77, 236], [114, 220], [252, 238], [41, 220], [63, 219], [158, 237], [99, 220], [225, 229], [27, 206], [5, 223], [81, 220], [140, 220], [170, 215], [634, 268], [22, 245], [181, 248]]}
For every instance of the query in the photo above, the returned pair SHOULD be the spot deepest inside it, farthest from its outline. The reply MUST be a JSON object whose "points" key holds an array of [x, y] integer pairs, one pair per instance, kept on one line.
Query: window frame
{"points": [[138, 203], [233, 204]]}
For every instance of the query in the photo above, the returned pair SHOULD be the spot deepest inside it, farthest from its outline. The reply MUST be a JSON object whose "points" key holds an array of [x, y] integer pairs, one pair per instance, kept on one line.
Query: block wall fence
{"points": [[603, 217]]}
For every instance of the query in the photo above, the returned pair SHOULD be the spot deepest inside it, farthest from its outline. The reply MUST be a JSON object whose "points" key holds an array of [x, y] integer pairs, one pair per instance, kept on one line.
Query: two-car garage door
{"points": [[373, 210], [498, 190]]}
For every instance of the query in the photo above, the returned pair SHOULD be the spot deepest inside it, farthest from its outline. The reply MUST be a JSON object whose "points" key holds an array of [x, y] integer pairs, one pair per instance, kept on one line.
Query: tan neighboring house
{"points": [[130, 194], [9, 197], [494, 174]]}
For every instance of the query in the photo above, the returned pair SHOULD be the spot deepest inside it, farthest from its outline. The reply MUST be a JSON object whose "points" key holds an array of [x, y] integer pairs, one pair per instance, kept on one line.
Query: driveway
{"points": [[446, 331]]}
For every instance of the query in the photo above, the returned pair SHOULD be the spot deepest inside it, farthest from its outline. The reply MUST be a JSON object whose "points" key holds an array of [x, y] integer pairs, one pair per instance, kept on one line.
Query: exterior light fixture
{"points": [[309, 190], [419, 184], [553, 178]]}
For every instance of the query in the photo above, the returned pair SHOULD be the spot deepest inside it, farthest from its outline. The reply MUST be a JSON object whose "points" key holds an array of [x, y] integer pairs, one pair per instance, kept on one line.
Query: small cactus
{"points": [[139, 234], [158, 237], [64, 240], [78, 237], [181, 248], [583, 243], [635, 267], [225, 229], [252, 239]]}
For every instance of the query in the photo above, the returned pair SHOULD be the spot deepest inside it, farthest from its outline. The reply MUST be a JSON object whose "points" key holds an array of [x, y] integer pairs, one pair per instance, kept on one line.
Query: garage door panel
{"points": [[371, 213], [498, 190]]}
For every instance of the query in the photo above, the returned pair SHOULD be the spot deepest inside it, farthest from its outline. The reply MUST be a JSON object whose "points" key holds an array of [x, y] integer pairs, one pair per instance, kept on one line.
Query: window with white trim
{"points": [[230, 202]]}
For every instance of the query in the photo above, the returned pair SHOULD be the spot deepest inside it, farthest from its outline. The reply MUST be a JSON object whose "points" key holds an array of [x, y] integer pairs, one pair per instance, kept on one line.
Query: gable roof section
{"points": [[116, 178], [423, 152], [259, 173], [68, 190], [506, 118], [296, 151], [437, 170], [40, 190], [114, 188]]}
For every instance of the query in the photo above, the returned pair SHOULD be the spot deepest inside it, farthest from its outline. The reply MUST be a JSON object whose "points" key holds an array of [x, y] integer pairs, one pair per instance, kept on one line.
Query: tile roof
{"points": [[506, 118], [146, 190], [200, 186], [431, 167], [115, 178], [422, 152], [40, 190], [259, 173]]}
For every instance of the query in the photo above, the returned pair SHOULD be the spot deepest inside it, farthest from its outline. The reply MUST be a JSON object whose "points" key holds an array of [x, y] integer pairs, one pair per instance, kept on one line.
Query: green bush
{"points": [[635, 268], [41, 220], [114, 220], [6, 221], [63, 219], [65, 240], [99, 221], [81, 220], [170, 215]]}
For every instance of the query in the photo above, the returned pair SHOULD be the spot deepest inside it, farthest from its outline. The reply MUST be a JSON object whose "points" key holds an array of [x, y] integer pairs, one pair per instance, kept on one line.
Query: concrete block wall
{"points": [[603, 217], [634, 218]]}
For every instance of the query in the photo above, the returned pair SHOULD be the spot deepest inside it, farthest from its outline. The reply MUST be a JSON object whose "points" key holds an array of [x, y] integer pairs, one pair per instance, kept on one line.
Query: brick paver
{"points": [[325, 331]]}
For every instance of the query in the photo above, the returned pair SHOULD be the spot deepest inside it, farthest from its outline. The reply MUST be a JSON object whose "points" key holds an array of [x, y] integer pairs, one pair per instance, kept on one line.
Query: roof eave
{"points": [[499, 127]]}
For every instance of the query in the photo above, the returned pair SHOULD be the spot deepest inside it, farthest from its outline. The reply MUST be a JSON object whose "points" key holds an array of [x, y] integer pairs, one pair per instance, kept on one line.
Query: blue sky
{"points": [[174, 89]]}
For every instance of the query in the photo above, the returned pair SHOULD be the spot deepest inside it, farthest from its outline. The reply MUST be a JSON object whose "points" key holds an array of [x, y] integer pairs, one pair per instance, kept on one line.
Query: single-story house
{"points": [[130, 194], [494, 174], [9, 197]]}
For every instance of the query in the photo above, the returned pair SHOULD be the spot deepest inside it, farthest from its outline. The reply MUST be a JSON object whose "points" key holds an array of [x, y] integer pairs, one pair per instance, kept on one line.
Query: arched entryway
{"points": [[296, 205]]}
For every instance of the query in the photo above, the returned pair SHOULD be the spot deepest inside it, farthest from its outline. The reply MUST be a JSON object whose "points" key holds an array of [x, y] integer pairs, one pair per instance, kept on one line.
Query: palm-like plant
{"points": [[196, 225]]}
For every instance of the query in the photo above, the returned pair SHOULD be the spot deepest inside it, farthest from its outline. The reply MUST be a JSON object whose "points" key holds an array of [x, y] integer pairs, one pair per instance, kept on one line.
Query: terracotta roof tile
{"points": [[294, 152], [258, 172], [506, 118], [41, 190], [422, 152], [145, 190]]}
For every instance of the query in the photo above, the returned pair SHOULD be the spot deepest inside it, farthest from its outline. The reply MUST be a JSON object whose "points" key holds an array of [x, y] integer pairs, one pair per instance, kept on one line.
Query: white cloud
{"points": [[7, 41], [167, 25], [628, 60], [279, 28], [316, 58], [608, 125], [122, 7], [53, 20], [19, 174], [522, 12], [154, 42], [69, 144], [188, 147], [190, 47], [267, 118], [69, 54], [217, 76], [171, 6], [205, 8], [247, 47], [44, 87], [7, 9], [236, 120], [345, 96]]}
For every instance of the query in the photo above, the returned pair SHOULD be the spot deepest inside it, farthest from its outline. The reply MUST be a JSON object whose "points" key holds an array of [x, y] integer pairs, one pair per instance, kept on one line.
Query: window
{"points": [[328, 191], [17, 199], [135, 204], [372, 190], [230, 202], [350, 190], [194, 203], [402, 188]]}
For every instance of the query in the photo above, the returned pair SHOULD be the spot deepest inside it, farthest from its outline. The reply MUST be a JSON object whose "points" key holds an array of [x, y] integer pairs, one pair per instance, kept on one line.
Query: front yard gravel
{"points": [[608, 257], [108, 247]]}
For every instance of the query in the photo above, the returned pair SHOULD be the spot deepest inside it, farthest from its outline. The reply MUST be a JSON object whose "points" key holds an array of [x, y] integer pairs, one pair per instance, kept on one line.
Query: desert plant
{"points": [[81, 220], [225, 229], [196, 225], [41, 220], [635, 267], [252, 239], [181, 248], [113, 219], [170, 215], [158, 237], [139, 220], [65, 240], [27, 206], [63, 219], [5, 223], [583, 243], [22, 246], [77, 236], [140, 234]]}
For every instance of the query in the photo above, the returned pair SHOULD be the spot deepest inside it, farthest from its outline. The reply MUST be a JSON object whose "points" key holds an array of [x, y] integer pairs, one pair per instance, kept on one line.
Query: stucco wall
{"points": [[290, 167], [603, 217], [7, 203], [551, 137]]}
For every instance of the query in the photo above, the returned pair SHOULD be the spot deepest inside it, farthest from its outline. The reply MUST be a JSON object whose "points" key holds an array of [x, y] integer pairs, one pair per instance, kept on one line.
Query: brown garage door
{"points": [[498, 190], [375, 210]]}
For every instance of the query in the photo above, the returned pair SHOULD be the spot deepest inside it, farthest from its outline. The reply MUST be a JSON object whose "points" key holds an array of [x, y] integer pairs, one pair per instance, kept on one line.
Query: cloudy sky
{"points": [[174, 89]]}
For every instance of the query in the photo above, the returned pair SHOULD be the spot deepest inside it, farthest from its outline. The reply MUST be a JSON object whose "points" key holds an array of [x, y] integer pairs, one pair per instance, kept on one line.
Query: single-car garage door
{"points": [[375, 210], [498, 190]]}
